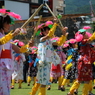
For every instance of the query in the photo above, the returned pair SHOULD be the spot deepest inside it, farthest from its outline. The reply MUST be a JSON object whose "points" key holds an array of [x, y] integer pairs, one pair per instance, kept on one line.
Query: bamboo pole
{"points": [[36, 26], [50, 10], [54, 15], [32, 16]]}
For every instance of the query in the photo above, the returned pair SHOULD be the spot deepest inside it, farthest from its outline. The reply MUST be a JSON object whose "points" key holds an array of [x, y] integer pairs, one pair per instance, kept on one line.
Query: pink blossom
{"points": [[79, 37], [17, 16], [89, 34], [15, 41], [86, 27], [72, 41], [3, 11], [48, 23], [55, 39], [65, 45], [20, 43]]}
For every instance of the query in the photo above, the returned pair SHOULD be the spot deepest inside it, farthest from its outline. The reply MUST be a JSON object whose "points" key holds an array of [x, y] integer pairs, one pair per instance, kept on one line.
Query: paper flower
{"points": [[86, 27], [48, 23], [20, 43], [15, 41], [79, 37], [12, 14], [34, 49], [72, 41], [3, 11], [59, 16], [55, 39], [89, 34], [65, 45], [39, 26], [23, 31]]}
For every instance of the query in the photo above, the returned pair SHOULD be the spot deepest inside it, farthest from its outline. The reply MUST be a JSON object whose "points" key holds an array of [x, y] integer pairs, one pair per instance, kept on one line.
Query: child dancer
{"points": [[84, 63], [18, 66], [57, 71], [6, 61], [32, 70], [46, 56], [71, 67]]}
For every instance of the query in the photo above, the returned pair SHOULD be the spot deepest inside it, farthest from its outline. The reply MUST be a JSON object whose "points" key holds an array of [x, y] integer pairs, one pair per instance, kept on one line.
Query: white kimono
{"points": [[46, 56]]}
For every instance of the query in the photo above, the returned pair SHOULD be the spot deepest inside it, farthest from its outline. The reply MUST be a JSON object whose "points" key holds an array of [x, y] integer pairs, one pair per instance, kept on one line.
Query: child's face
{"points": [[74, 45], [6, 27], [85, 36], [46, 32]]}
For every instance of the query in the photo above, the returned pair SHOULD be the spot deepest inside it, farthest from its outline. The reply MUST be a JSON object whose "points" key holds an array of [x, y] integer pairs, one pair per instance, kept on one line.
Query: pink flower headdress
{"points": [[72, 41], [79, 36], [39, 27], [54, 39], [12, 14], [34, 49], [19, 43]]}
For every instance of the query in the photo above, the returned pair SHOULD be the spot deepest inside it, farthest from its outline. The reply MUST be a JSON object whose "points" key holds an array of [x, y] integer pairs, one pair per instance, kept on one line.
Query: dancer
{"points": [[19, 59], [6, 62], [84, 63], [46, 56], [57, 71], [71, 63], [32, 70]]}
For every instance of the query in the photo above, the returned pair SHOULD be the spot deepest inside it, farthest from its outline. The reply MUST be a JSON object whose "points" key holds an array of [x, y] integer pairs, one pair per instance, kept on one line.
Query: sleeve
{"points": [[62, 40], [23, 57], [24, 48], [6, 38], [92, 37], [41, 53], [52, 30]]}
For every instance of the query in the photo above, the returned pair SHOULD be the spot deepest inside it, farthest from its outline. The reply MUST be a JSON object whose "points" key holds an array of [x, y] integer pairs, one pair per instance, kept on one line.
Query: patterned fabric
{"points": [[46, 56], [32, 71], [84, 62], [57, 71], [72, 72], [6, 68], [18, 67]]}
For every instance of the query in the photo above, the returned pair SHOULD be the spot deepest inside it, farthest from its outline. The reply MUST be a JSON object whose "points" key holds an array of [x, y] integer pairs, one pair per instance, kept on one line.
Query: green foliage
{"points": [[78, 6]]}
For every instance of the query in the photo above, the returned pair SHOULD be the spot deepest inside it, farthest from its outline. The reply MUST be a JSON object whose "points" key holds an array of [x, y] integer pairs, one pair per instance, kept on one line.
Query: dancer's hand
{"points": [[64, 30], [31, 43], [16, 32]]}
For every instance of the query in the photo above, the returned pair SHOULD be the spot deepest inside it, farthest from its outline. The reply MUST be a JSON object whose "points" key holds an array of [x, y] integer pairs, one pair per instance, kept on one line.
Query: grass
{"points": [[26, 89]]}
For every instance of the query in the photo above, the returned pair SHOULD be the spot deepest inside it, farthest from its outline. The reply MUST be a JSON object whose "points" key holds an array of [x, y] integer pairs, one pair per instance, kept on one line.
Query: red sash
{"points": [[6, 54]]}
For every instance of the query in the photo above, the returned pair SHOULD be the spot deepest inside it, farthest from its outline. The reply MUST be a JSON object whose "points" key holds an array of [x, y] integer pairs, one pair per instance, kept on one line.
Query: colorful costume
{"points": [[6, 67], [57, 71], [18, 68], [32, 70], [46, 56], [84, 62]]}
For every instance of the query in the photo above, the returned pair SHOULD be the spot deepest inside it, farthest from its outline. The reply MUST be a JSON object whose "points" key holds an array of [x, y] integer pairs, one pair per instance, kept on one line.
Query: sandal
{"points": [[62, 88], [12, 87]]}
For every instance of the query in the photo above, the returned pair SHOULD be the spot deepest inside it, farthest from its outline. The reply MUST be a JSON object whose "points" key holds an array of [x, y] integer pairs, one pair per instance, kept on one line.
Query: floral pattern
{"points": [[6, 68], [46, 55]]}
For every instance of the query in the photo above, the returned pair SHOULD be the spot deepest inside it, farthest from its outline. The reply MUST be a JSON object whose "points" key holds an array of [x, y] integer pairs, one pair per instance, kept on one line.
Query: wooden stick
{"points": [[36, 26], [50, 10], [54, 15], [60, 22], [32, 16]]}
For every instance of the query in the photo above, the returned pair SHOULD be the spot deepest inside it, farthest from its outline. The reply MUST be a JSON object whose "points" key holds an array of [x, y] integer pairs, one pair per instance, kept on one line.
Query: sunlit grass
{"points": [[54, 90]]}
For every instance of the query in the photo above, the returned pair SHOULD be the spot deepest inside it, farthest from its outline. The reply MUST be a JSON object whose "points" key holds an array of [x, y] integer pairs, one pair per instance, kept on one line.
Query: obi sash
{"points": [[6, 54]]}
